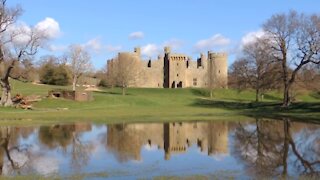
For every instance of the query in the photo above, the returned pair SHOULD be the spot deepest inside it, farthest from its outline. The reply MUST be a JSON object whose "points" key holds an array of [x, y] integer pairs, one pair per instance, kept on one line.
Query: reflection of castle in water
{"points": [[126, 140]]}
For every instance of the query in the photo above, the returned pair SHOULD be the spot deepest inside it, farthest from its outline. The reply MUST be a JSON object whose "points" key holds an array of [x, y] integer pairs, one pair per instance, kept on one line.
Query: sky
{"points": [[106, 27]]}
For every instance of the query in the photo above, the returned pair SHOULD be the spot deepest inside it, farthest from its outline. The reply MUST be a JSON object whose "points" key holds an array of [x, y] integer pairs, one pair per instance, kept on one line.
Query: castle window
{"points": [[177, 75], [195, 82], [177, 64], [187, 64], [199, 62], [149, 64], [219, 71]]}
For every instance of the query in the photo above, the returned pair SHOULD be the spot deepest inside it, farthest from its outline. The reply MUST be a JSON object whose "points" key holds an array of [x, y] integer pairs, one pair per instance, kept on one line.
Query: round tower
{"points": [[219, 65]]}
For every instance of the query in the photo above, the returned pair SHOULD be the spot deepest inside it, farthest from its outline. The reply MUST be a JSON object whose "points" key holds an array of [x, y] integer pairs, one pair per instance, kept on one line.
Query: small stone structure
{"points": [[72, 95]]}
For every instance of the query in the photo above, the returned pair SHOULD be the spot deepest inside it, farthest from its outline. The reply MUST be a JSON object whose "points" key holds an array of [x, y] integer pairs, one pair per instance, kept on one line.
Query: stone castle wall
{"points": [[177, 70]]}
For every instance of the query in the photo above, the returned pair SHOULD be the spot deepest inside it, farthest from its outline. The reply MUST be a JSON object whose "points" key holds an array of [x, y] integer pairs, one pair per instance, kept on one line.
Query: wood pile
{"points": [[25, 102]]}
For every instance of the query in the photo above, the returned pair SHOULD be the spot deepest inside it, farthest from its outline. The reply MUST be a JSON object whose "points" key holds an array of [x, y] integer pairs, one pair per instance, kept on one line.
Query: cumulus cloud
{"points": [[136, 35], [94, 45], [97, 46], [174, 43], [50, 27], [216, 41], [251, 36], [20, 33], [150, 50], [57, 48], [111, 48]]}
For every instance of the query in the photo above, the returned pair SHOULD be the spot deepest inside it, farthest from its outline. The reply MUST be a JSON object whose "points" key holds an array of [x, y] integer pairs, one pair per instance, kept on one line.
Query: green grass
{"points": [[143, 104]]}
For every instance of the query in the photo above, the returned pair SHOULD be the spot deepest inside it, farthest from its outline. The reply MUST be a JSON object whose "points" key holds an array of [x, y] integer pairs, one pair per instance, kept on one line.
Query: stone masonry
{"points": [[173, 70]]}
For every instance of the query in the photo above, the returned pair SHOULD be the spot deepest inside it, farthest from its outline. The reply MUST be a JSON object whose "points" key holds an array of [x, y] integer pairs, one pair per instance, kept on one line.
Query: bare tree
{"points": [[256, 68], [237, 76], [126, 69], [309, 78], [16, 46], [79, 61], [17, 42], [296, 42]]}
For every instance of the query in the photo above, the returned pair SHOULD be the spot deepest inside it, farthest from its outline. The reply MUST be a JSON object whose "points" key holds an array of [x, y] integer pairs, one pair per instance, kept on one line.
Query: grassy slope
{"points": [[153, 105]]}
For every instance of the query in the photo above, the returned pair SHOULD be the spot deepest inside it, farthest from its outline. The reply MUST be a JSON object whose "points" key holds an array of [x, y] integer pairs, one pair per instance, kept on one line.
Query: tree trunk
{"points": [[6, 94], [257, 95], [123, 91], [74, 82], [286, 95], [285, 147]]}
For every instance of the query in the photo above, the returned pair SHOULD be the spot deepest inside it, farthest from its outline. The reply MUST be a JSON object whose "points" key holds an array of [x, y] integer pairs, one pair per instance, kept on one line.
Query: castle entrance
{"points": [[173, 85], [179, 85]]}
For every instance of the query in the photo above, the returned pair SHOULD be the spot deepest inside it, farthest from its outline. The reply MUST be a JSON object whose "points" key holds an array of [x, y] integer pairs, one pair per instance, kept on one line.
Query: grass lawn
{"points": [[143, 104]]}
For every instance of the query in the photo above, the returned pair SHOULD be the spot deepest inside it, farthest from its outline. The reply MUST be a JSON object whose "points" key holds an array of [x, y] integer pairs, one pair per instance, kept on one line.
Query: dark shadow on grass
{"points": [[315, 95], [270, 97], [200, 92], [263, 109]]}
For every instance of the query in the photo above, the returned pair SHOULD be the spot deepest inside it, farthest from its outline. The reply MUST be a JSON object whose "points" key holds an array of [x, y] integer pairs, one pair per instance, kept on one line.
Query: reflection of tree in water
{"points": [[13, 155], [64, 136], [56, 136], [124, 143], [265, 147]]}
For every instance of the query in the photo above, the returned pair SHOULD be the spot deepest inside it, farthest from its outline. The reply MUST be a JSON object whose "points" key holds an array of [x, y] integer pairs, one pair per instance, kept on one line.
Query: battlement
{"points": [[178, 57], [217, 55]]}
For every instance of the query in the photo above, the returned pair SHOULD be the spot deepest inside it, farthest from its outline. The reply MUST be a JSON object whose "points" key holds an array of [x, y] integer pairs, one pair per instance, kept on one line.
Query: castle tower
{"points": [[218, 68], [203, 59], [137, 50], [166, 67], [218, 138]]}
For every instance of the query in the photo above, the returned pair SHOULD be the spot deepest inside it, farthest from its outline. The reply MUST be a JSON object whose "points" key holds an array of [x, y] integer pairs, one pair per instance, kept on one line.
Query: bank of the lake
{"points": [[147, 105]]}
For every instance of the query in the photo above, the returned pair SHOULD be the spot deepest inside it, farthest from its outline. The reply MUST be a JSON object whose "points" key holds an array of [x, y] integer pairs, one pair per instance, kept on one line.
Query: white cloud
{"points": [[136, 35], [150, 50], [111, 48], [94, 45], [174, 43], [153, 50], [50, 27], [216, 41], [20, 33], [251, 36], [97, 46], [57, 48]]}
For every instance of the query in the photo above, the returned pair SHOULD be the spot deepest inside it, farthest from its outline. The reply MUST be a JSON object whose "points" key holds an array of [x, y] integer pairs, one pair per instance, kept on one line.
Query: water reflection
{"points": [[126, 141], [272, 148], [268, 148]]}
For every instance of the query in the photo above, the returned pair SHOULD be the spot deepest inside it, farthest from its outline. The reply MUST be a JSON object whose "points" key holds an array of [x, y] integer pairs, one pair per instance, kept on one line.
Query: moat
{"points": [[212, 149]]}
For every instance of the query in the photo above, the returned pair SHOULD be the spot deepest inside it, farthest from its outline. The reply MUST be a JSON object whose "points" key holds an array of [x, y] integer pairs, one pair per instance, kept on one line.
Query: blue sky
{"points": [[189, 26]]}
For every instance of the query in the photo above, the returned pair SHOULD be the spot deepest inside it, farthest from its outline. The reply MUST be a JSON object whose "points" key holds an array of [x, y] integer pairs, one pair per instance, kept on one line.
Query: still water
{"points": [[245, 149]]}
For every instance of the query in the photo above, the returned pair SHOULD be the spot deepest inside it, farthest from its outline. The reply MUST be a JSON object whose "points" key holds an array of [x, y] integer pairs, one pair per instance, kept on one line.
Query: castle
{"points": [[173, 70]]}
